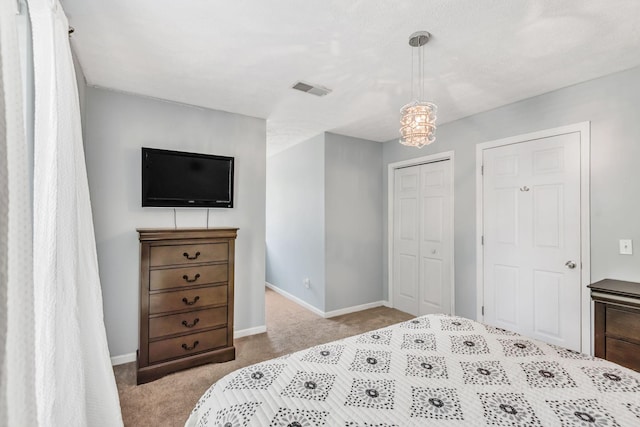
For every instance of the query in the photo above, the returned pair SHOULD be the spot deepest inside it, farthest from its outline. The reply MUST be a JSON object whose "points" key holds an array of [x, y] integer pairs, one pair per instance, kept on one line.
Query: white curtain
{"points": [[55, 361], [17, 380]]}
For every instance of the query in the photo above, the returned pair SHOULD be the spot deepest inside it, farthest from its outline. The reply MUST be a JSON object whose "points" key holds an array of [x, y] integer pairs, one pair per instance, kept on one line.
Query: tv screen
{"points": [[180, 179]]}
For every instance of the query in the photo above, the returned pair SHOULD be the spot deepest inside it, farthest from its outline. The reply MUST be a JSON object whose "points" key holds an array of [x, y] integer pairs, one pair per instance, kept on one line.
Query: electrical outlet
{"points": [[626, 247], [307, 283]]}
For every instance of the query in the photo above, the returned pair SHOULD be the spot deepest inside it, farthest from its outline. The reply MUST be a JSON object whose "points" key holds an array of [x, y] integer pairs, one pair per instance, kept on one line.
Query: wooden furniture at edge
{"points": [[617, 321], [186, 299]]}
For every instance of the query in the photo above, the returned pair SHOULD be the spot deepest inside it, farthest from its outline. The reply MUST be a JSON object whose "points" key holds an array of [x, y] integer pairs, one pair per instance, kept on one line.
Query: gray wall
{"points": [[353, 215], [295, 221], [116, 126], [611, 104], [324, 221]]}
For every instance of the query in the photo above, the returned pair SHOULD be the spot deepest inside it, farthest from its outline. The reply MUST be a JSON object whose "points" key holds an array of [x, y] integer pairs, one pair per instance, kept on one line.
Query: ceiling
{"points": [[243, 56]]}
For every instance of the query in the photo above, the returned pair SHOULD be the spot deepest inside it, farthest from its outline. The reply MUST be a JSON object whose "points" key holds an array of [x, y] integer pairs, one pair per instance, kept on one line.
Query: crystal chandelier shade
{"points": [[418, 124], [418, 118]]}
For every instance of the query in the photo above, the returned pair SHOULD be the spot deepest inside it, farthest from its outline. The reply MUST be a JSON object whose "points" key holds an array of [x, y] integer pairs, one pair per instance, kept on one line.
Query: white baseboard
{"points": [[352, 309], [387, 304], [123, 358], [319, 312], [249, 331], [295, 299]]}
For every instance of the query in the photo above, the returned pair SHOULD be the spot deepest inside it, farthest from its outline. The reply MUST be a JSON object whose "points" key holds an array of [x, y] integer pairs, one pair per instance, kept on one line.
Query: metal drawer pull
{"points": [[186, 255], [186, 347], [191, 325], [186, 301], [186, 278]]}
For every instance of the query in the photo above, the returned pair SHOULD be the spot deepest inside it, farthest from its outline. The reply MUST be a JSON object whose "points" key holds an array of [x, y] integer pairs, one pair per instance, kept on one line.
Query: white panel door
{"points": [[531, 202], [406, 239], [423, 238], [435, 241]]}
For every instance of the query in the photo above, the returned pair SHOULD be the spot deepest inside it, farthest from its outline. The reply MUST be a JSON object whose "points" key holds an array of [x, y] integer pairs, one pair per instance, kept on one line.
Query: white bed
{"points": [[433, 370]]}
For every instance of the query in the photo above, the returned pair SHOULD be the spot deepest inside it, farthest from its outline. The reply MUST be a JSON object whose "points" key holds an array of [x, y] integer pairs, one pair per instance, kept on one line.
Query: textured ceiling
{"points": [[243, 56]]}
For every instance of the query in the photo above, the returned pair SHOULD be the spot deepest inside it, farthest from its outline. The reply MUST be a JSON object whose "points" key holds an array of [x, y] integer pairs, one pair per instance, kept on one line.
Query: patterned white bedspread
{"points": [[433, 370]]}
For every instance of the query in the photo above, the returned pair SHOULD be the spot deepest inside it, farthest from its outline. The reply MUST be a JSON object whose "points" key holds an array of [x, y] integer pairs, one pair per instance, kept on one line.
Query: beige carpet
{"points": [[290, 327]]}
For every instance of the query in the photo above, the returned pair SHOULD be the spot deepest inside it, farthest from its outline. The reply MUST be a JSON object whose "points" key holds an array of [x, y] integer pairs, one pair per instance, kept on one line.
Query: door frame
{"points": [[584, 130], [391, 167]]}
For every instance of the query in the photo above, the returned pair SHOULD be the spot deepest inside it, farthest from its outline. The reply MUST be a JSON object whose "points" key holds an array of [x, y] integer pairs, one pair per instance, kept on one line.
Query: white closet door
{"points": [[531, 231], [435, 238], [406, 240], [423, 238]]}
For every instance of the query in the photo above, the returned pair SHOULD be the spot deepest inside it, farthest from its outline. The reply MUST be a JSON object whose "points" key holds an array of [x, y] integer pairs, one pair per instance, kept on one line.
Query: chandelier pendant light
{"points": [[418, 118]]}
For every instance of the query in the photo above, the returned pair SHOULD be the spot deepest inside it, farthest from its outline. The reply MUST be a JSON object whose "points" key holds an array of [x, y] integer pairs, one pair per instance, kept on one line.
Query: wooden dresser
{"points": [[186, 299], [617, 321]]}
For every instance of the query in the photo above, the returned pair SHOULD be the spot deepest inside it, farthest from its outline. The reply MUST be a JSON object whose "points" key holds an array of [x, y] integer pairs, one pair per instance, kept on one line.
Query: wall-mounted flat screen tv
{"points": [[180, 179]]}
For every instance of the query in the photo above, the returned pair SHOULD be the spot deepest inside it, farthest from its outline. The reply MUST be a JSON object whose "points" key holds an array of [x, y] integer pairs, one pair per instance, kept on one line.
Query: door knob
{"points": [[570, 264]]}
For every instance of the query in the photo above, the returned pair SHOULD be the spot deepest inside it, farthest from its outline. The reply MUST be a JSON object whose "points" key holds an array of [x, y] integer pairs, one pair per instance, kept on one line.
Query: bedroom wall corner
{"points": [[116, 126], [295, 218]]}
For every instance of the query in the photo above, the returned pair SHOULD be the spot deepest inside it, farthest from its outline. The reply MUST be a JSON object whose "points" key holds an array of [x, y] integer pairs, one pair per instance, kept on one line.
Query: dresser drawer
{"points": [[186, 345], [187, 322], [187, 276], [187, 298], [623, 353], [188, 254], [623, 323]]}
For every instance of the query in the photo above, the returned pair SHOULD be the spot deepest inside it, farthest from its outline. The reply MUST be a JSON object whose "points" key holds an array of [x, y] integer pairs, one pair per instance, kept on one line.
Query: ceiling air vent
{"points": [[312, 89]]}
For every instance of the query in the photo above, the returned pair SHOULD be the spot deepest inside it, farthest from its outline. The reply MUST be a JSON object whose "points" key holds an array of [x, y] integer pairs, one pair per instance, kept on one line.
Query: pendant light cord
{"points": [[412, 72], [421, 72]]}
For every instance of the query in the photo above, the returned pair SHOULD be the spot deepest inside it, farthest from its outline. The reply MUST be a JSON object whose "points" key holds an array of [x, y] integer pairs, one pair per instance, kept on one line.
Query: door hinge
{"points": [[482, 310], [481, 169], [482, 240]]}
